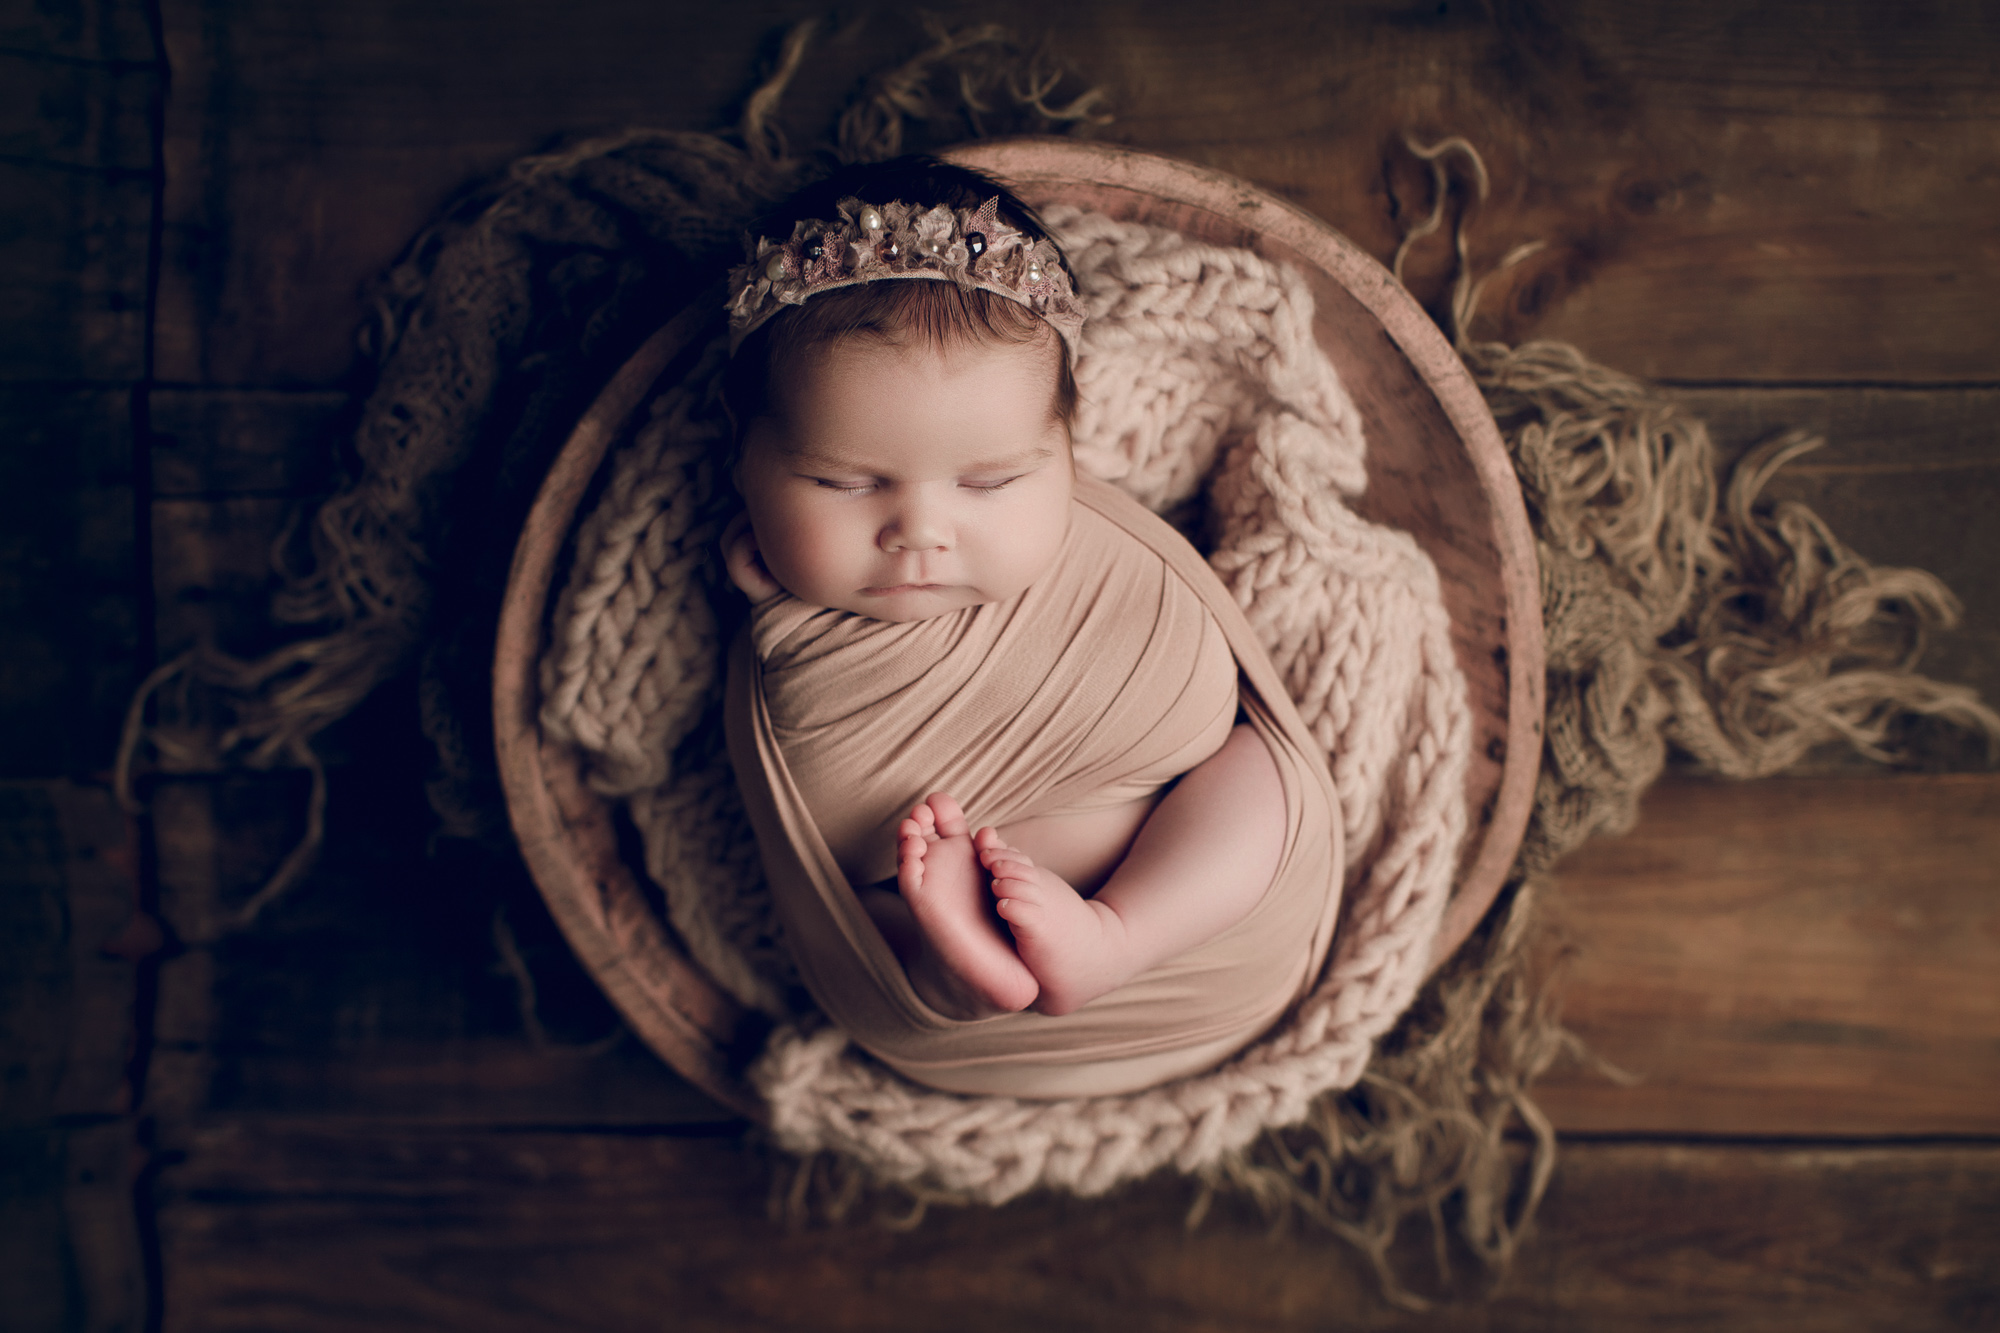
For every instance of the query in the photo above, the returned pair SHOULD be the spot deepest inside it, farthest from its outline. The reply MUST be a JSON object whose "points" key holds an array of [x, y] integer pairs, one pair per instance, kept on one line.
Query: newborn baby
{"points": [[912, 517]]}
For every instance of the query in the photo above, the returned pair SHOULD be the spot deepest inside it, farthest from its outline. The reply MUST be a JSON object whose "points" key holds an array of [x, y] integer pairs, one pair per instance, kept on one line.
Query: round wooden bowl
{"points": [[1436, 469]]}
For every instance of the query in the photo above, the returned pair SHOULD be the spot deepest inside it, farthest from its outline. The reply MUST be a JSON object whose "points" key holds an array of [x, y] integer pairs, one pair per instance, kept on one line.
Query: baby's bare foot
{"points": [[967, 967], [1074, 945]]}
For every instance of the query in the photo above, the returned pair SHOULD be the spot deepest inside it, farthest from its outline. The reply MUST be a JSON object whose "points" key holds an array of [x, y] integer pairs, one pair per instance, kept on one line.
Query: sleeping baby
{"points": [[1036, 812]]}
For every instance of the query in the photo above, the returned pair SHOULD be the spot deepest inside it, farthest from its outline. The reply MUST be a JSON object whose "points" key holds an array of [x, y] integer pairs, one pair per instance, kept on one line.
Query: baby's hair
{"points": [[933, 313]]}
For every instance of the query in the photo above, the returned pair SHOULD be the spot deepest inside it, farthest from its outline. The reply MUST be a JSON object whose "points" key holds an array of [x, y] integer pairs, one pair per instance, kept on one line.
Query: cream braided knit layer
{"points": [[1199, 374]]}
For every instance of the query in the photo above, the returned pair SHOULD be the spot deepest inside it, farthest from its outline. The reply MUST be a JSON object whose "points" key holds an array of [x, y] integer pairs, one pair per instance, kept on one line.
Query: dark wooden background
{"points": [[352, 1116]]}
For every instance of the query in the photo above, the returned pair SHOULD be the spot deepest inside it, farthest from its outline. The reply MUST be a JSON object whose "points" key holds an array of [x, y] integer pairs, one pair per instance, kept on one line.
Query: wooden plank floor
{"points": [[1801, 957], [337, 1165], [312, 1226], [352, 1116]]}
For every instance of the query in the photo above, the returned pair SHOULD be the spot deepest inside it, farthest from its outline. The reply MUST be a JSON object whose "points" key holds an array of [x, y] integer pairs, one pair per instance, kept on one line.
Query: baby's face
{"points": [[905, 482]]}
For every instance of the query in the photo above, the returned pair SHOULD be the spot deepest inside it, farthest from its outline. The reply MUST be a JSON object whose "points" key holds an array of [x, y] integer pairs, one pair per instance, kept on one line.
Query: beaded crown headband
{"points": [[866, 243]]}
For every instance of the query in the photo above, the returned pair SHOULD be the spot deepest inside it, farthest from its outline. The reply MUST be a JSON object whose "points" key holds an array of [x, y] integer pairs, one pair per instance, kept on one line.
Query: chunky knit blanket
{"points": [[1205, 398]]}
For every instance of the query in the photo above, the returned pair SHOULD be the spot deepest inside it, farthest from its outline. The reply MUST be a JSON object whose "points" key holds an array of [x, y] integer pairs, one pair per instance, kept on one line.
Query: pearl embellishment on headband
{"points": [[870, 243]]}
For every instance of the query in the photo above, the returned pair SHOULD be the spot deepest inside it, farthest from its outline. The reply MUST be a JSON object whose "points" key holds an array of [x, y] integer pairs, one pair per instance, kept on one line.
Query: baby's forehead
{"points": [[859, 392], [889, 359]]}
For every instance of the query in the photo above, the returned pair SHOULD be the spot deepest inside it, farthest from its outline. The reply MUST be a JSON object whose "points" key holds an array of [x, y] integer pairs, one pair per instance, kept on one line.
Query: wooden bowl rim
{"points": [[565, 830]]}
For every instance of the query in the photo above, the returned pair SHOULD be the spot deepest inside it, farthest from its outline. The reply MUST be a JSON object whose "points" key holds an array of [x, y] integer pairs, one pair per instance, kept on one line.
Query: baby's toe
{"points": [[949, 814], [1021, 913], [1005, 861], [1016, 883]]}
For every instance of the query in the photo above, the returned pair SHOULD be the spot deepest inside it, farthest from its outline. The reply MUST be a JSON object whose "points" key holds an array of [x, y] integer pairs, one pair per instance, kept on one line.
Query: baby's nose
{"points": [[915, 527]]}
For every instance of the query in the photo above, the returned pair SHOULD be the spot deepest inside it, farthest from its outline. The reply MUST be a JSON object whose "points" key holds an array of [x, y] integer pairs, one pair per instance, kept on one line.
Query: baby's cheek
{"points": [[809, 552], [1039, 539]]}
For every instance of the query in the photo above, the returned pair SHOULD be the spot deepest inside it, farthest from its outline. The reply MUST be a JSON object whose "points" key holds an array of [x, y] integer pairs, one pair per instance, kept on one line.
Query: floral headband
{"points": [[897, 240]]}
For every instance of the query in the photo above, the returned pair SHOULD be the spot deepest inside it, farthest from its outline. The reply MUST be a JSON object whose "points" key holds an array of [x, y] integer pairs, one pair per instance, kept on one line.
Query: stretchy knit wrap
{"points": [[1115, 673]]}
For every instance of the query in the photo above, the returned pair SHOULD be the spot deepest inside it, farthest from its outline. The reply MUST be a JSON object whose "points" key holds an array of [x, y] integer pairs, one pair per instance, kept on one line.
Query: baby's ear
{"points": [[744, 562]]}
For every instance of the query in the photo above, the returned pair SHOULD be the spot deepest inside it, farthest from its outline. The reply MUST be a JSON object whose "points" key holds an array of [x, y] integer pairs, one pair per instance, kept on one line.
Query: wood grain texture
{"points": [[69, 1243], [213, 443], [70, 1247], [1793, 957], [1798, 191], [97, 32], [76, 172], [375, 988], [213, 576], [69, 609], [75, 178], [311, 1226], [65, 1007], [1741, 232], [74, 273], [77, 85]]}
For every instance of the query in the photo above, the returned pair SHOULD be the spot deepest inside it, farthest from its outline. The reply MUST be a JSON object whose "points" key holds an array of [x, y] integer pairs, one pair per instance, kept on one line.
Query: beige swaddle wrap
{"points": [[1113, 674]]}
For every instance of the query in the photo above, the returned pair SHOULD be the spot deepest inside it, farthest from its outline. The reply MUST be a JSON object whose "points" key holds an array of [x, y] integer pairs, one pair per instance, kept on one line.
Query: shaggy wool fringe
{"points": [[1741, 633]]}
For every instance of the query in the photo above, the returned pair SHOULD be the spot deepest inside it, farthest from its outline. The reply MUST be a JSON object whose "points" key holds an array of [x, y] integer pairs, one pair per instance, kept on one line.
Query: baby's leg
{"points": [[1203, 860], [964, 964]]}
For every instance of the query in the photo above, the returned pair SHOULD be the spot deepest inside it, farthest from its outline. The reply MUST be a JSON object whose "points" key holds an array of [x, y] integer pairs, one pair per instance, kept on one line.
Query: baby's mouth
{"points": [[919, 575]]}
